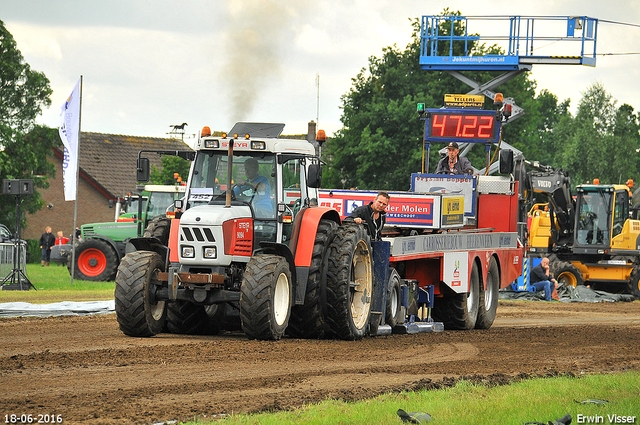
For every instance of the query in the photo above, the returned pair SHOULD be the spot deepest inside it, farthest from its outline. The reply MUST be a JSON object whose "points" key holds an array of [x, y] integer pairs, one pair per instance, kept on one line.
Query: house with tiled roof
{"points": [[107, 172]]}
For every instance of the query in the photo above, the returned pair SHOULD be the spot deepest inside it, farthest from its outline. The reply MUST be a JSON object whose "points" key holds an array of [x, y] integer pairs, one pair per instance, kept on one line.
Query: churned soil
{"points": [[85, 370]]}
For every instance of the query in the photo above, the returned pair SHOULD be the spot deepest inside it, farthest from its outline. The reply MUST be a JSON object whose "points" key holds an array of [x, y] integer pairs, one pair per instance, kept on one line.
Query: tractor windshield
{"points": [[593, 224], [159, 203], [253, 180]]}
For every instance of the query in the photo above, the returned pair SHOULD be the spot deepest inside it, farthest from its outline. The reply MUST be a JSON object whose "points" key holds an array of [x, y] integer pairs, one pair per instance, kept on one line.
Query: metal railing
{"points": [[447, 43], [8, 258]]}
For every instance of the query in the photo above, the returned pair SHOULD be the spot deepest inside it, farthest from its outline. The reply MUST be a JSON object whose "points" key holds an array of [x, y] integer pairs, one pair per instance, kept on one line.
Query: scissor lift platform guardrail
{"points": [[567, 40]]}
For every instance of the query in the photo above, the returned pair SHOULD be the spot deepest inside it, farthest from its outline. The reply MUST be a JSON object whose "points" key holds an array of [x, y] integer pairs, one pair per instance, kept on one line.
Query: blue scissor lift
{"points": [[529, 40], [525, 41]]}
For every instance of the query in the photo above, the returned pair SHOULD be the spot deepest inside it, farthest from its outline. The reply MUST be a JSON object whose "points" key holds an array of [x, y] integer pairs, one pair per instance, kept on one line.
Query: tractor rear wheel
{"points": [[308, 320], [566, 273], [185, 317], [266, 296], [349, 283], [95, 260], [395, 313], [460, 311], [159, 228], [137, 311], [488, 302]]}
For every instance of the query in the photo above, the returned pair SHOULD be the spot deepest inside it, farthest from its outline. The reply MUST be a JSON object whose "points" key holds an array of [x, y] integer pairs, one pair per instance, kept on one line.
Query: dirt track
{"points": [[87, 371]]}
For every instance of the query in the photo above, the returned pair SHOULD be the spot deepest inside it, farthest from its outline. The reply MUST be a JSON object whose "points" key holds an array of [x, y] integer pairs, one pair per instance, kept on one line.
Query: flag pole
{"points": [[75, 212]]}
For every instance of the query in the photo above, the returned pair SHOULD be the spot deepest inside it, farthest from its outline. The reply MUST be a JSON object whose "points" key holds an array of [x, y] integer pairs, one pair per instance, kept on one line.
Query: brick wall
{"points": [[93, 207]]}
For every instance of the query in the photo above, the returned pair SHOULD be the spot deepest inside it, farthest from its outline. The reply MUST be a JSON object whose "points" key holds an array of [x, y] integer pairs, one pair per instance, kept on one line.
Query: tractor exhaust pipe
{"points": [[227, 203]]}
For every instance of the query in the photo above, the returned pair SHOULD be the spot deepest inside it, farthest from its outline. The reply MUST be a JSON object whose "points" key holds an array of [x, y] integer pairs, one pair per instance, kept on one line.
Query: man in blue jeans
{"points": [[540, 279]]}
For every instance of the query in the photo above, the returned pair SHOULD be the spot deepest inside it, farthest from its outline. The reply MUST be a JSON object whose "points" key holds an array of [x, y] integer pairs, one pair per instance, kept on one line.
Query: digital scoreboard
{"points": [[462, 125]]}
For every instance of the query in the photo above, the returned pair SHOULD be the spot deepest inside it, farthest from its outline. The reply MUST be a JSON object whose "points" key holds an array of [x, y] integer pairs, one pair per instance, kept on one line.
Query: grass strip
{"points": [[540, 399], [53, 284]]}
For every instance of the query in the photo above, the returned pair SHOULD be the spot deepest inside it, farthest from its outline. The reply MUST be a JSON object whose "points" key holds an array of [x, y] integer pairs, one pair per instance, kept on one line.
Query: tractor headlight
{"points": [[188, 252], [210, 252]]}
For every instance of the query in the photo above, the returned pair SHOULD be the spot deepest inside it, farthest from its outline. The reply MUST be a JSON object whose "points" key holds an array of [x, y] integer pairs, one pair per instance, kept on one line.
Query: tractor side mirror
{"points": [[142, 172], [506, 161], [314, 176]]}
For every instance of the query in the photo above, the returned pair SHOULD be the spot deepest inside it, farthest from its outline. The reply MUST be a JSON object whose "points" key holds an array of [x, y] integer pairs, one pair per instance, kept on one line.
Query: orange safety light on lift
{"points": [[206, 132], [596, 181], [630, 183], [321, 137], [498, 100]]}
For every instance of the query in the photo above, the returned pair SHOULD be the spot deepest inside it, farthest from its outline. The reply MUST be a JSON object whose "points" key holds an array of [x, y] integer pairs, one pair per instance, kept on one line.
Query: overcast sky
{"points": [[150, 64]]}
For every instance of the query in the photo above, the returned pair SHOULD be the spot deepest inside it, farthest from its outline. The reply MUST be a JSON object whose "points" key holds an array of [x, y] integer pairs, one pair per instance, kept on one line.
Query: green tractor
{"points": [[102, 245]]}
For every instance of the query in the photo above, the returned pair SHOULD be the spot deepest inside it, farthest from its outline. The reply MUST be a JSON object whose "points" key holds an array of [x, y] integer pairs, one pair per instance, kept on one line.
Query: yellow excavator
{"points": [[589, 238]]}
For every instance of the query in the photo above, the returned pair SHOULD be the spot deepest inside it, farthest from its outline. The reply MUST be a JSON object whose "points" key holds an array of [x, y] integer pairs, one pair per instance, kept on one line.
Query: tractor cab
{"points": [[253, 186]]}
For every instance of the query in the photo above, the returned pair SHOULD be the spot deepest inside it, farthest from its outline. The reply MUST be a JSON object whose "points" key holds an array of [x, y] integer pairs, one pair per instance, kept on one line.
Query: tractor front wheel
{"points": [[159, 228], [185, 317], [137, 310], [266, 297]]}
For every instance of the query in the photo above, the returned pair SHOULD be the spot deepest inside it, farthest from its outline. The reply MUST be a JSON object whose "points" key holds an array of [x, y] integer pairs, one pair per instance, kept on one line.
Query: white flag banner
{"points": [[69, 133]]}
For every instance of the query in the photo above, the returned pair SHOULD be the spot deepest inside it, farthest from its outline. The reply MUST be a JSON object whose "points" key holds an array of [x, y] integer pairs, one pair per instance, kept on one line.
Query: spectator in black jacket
{"points": [[541, 279], [373, 215], [47, 240], [453, 163]]}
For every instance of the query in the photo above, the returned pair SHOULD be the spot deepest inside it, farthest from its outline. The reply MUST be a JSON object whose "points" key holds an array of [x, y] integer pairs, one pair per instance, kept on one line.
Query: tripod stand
{"points": [[17, 280]]}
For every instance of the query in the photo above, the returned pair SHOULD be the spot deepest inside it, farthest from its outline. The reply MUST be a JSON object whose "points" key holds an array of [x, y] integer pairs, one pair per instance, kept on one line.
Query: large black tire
{"points": [[459, 311], [185, 317], [266, 297], [395, 313], [488, 302], [308, 320], [634, 282], [95, 260], [349, 283], [137, 312], [566, 273], [159, 228]]}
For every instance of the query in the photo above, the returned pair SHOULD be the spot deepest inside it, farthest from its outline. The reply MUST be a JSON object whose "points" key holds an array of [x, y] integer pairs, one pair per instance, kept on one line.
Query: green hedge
{"points": [[34, 254]]}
